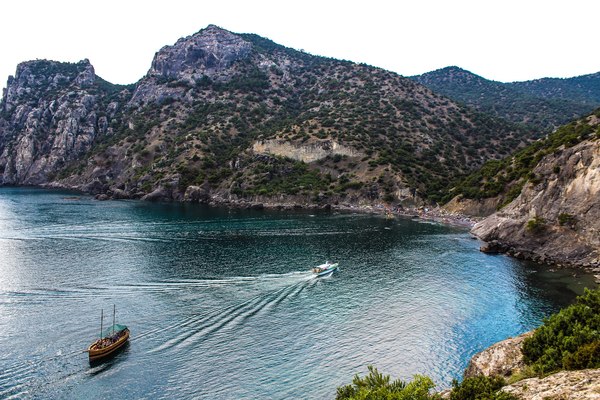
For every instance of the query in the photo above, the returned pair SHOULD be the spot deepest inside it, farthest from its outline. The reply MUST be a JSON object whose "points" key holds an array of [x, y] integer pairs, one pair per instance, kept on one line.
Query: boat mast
{"points": [[101, 320], [114, 313]]}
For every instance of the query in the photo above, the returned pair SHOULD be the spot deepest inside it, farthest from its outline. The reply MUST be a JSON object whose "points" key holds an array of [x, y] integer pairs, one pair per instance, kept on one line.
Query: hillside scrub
{"points": [[569, 339], [507, 177]]}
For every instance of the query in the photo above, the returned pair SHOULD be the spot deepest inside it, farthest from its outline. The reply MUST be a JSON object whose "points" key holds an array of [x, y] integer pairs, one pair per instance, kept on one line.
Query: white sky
{"points": [[504, 40]]}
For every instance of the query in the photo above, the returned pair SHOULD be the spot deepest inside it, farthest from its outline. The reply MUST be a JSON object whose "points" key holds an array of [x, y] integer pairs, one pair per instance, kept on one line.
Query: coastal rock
{"points": [[493, 247], [196, 194], [572, 385], [503, 358], [506, 359], [557, 219], [159, 194], [119, 194], [472, 207]]}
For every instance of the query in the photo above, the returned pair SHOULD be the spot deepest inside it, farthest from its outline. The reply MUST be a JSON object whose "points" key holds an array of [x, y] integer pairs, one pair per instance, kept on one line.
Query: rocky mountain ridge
{"points": [[214, 114], [52, 114], [543, 103]]}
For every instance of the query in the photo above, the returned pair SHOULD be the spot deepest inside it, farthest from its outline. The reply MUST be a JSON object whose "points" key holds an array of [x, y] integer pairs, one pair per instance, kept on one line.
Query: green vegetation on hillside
{"points": [[190, 128], [542, 103], [507, 177], [569, 339], [404, 132], [480, 388], [378, 386]]}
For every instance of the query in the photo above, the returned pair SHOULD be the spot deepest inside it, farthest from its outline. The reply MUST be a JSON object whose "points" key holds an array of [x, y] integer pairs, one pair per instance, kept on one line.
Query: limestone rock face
{"points": [[52, 113], [572, 385], [503, 358], [565, 202], [208, 54], [476, 208], [304, 152]]}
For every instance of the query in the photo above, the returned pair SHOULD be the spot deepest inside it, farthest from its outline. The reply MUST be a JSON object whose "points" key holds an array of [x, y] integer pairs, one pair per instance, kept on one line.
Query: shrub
{"points": [[480, 388], [535, 225], [378, 386], [569, 339], [566, 219]]}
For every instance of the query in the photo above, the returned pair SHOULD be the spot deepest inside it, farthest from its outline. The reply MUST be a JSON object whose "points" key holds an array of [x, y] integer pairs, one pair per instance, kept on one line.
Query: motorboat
{"points": [[324, 269]]}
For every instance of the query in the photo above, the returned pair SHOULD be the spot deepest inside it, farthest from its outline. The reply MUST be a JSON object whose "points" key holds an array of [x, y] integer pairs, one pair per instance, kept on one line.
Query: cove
{"points": [[221, 303]]}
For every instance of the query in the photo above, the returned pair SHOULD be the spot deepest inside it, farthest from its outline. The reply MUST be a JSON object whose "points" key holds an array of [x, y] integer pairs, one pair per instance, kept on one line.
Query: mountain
{"points": [[225, 117], [542, 104], [555, 217]]}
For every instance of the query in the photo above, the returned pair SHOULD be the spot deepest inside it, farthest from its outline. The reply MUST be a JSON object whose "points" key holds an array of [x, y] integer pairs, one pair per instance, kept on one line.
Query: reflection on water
{"points": [[221, 305]]}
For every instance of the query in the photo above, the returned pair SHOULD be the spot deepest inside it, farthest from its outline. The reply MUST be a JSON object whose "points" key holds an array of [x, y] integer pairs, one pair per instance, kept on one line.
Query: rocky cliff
{"points": [[52, 114], [556, 218], [235, 117]]}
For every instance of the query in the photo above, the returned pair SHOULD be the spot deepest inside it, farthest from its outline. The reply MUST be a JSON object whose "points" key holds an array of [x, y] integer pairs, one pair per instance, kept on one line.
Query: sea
{"points": [[221, 303]]}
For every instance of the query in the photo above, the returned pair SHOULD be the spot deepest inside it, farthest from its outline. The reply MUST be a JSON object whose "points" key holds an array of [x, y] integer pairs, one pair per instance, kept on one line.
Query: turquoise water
{"points": [[221, 305]]}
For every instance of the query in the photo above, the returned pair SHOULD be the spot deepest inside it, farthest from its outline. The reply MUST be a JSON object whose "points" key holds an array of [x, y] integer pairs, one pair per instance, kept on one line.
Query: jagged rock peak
{"points": [[32, 71], [206, 52], [33, 78]]}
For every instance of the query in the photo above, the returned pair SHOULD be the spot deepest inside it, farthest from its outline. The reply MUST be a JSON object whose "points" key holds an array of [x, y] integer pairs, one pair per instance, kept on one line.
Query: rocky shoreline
{"points": [[497, 247], [197, 194]]}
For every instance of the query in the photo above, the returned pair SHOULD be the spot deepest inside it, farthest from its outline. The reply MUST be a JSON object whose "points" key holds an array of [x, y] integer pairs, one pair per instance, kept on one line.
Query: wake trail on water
{"points": [[48, 294], [193, 329], [23, 376]]}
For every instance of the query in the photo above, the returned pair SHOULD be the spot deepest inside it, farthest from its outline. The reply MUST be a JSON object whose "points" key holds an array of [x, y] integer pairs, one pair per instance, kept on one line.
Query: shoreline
{"points": [[434, 214], [428, 213]]}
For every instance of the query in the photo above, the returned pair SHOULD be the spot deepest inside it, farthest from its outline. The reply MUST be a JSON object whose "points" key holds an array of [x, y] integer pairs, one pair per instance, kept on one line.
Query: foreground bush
{"points": [[376, 386], [569, 339], [480, 388]]}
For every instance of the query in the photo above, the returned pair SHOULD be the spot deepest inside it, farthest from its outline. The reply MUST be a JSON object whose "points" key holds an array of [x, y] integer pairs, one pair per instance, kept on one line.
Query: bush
{"points": [[535, 225], [566, 219], [569, 339], [377, 386], [480, 388]]}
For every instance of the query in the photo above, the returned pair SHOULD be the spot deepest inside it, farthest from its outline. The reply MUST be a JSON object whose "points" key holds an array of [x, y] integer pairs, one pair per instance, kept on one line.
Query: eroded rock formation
{"points": [[556, 219]]}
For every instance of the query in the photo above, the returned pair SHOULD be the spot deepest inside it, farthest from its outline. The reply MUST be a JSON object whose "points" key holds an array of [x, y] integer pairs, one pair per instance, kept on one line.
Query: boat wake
{"points": [[197, 328], [49, 294], [34, 375]]}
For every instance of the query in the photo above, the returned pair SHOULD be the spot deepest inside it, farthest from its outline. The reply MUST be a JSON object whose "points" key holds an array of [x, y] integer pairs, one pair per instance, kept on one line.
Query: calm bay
{"points": [[221, 303]]}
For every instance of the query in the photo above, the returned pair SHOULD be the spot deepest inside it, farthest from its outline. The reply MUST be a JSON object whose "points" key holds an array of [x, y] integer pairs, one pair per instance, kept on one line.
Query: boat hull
{"points": [[97, 354]]}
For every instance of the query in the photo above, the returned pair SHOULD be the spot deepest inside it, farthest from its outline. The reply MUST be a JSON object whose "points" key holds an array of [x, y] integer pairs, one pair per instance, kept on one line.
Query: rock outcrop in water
{"points": [[503, 358], [556, 218], [245, 120]]}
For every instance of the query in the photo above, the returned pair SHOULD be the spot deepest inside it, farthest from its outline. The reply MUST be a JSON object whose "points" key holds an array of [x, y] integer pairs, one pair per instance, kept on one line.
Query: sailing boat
{"points": [[111, 339]]}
